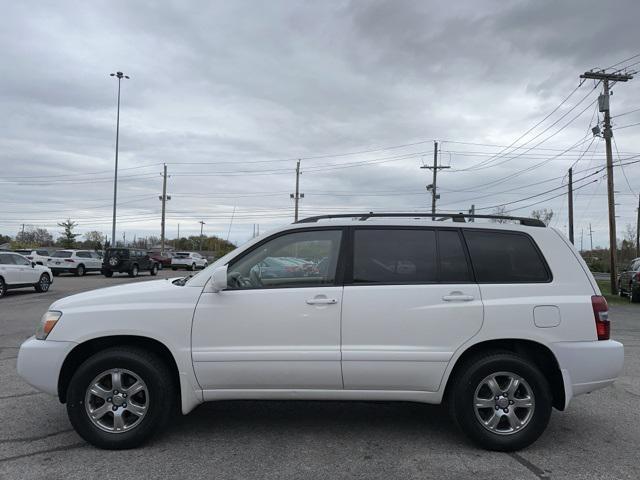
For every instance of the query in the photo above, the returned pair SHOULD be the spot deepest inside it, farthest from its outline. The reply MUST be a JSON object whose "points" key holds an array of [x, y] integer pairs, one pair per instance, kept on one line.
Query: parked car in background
{"points": [[39, 256], [629, 281], [128, 260], [188, 260], [502, 321], [16, 271], [163, 260], [77, 262]]}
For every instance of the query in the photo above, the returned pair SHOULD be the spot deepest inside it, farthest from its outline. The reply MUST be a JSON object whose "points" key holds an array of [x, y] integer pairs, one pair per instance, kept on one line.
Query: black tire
{"points": [[193, 267], [54, 273], [108, 274], [80, 271], [161, 400], [634, 295], [43, 284], [462, 394], [154, 270], [3, 288], [134, 271], [174, 268]]}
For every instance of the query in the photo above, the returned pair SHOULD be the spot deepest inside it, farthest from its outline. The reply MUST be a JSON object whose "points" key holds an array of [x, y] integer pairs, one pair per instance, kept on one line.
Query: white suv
{"points": [[501, 321], [188, 260], [77, 262], [16, 271], [39, 256]]}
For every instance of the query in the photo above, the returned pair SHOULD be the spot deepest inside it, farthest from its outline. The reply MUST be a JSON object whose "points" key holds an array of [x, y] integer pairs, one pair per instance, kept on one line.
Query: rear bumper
{"points": [[62, 269], [40, 362], [588, 366]]}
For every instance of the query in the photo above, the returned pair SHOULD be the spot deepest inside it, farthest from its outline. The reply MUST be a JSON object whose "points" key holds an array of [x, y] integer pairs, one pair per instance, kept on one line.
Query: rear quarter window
{"points": [[506, 257]]}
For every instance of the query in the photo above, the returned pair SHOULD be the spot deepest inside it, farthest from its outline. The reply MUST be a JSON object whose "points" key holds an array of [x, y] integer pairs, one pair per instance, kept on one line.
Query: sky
{"points": [[230, 94]]}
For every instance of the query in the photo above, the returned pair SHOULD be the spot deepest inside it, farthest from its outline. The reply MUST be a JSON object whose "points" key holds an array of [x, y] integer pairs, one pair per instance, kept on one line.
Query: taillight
{"points": [[601, 314]]}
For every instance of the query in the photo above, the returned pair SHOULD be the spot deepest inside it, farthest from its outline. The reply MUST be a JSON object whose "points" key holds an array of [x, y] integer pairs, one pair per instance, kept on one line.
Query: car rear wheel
{"points": [[43, 284], [154, 269], [108, 274], [119, 398], [3, 287], [55, 274], [634, 294], [174, 268], [80, 271], [134, 271], [501, 401], [193, 267]]}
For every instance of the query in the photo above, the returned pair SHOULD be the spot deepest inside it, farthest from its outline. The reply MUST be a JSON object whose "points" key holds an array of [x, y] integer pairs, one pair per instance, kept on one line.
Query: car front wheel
{"points": [[134, 271], [120, 397], [501, 401], [154, 269], [3, 287], [80, 271]]}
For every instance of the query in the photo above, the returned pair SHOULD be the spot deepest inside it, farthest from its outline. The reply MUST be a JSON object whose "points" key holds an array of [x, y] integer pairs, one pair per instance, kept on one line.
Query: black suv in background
{"points": [[127, 260]]}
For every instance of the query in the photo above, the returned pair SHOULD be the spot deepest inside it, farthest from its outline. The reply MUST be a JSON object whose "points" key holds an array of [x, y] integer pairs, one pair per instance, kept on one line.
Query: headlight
{"points": [[47, 322]]}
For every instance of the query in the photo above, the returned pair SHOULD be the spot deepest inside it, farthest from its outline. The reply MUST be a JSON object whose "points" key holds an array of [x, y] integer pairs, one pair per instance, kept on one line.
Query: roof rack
{"points": [[456, 217]]}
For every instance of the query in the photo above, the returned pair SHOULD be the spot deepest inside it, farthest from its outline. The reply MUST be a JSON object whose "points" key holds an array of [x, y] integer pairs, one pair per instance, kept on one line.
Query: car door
{"points": [[26, 272], [273, 333], [9, 271], [409, 302]]}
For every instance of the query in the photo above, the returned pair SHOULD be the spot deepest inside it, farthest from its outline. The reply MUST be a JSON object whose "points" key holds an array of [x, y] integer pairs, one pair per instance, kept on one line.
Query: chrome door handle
{"points": [[458, 297], [321, 301]]}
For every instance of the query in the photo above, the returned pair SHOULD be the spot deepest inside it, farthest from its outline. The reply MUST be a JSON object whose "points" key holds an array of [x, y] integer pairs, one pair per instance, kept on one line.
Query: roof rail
{"points": [[456, 217]]}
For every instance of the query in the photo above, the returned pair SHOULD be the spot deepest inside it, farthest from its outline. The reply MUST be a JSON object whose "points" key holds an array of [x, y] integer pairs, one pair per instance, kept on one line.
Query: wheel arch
{"points": [[537, 352], [84, 350]]}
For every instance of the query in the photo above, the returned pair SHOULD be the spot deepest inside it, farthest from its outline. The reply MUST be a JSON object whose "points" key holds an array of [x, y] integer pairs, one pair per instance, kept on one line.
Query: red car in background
{"points": [[163, 260]]}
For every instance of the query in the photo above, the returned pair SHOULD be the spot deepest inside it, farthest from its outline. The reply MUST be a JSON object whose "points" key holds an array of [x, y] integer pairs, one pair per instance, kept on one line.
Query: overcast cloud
{"points": [[229, 94]]}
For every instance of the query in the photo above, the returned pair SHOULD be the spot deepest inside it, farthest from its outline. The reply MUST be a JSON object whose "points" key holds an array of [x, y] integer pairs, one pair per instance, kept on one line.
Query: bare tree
{"points": [[501, 212], [543, 214]]}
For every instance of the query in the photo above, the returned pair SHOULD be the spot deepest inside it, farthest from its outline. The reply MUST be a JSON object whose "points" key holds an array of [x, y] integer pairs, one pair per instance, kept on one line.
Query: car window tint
{"points": [[296, 259], [6, 259], [394, 256], [83, 254], [20, 260], [62, 254], [505, 257], [453, 261]]}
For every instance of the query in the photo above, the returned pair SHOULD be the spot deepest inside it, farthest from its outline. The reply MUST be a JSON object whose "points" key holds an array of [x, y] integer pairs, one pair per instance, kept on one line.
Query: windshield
{"points": [[62, 254]]}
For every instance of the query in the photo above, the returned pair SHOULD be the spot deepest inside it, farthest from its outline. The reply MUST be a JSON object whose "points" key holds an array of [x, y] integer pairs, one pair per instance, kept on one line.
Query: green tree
{"points": [[34, 237], [68, 239]]}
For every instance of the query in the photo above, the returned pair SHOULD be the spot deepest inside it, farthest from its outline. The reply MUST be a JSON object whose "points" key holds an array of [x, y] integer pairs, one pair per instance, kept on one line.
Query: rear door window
{"points": [[394, 256], [505, 257], [454, 267]]}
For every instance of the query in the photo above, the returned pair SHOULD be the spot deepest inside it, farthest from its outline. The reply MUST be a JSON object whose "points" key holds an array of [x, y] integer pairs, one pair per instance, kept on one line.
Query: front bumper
{"points": [[40, 362], [588, 366]]}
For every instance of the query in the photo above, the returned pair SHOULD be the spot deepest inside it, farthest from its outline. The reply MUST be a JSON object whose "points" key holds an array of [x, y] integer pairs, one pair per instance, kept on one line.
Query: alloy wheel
{"points": [[44, 283], [504, 403], [116, 400]]}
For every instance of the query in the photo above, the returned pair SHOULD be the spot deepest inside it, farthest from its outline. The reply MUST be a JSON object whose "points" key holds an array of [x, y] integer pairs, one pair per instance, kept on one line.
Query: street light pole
{"points": [[119, 76]]}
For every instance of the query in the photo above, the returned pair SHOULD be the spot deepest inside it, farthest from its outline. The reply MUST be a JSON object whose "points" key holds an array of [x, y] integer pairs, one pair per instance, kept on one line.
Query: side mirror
{"points": [[33, 264], [218, 280]]}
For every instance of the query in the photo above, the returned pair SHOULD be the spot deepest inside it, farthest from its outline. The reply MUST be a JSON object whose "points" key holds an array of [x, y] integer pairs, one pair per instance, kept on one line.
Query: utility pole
{"points": [[603, 101], [638, 230], [202, 224], [433, 187], [164, 197], [581, 239], [591, 237], [297, 196], [571, 205], [22, 234], [119, 76]]}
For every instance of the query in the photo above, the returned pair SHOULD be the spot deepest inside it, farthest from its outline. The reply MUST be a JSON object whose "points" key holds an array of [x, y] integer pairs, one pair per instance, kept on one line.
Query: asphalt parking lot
{"points": [[598, 437]]}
